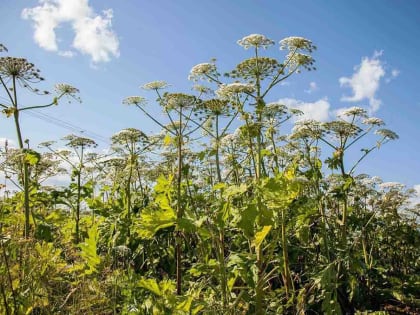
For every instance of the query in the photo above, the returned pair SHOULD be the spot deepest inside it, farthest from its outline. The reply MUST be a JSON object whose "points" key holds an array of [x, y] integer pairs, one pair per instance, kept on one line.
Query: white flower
{"points": [[354, 111], [391, 186], [202, 70], [155, 85], [292, 43], [134, 100], [63, 88], [373, 121], [232, 89], [386, 133], [255, 40], [228, 140], [306, 128], [295, 60]]}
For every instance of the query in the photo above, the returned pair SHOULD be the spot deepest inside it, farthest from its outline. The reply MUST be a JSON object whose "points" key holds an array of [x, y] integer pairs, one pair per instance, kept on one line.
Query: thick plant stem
{"points": [[179, 213], [260, 262], [128, 195], [9, 278], [286, 268], [79, 190], [219, 175], [223, 276], [221, 241], [77, 232], [25, 164]]}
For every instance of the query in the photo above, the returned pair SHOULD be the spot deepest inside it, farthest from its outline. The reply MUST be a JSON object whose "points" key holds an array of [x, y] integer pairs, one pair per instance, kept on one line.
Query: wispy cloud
{"points": [[365, 81], [93, 33], [394, 73], [312, 88], [67, 53], [319, 110]]}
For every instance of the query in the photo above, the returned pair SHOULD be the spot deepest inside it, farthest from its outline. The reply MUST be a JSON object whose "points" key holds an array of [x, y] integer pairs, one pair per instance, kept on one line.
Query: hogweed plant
{"points": [[222, 211], [18, 73]]}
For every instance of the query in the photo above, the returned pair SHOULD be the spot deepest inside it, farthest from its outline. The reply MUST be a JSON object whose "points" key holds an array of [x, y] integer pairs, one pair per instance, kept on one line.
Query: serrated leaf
{"points": [[151, 285], [153, 220]]}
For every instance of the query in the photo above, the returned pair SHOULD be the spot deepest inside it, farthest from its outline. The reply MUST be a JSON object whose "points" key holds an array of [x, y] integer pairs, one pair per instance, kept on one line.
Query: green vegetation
{"points": [[209, 216]]}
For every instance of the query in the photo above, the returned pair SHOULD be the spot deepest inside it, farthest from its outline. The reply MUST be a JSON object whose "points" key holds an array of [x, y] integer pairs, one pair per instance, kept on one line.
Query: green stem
{"points": [[179, 213]]}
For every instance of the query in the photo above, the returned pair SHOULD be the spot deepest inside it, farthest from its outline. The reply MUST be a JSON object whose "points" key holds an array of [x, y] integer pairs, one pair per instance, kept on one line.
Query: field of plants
{"points": [[236, 206]]}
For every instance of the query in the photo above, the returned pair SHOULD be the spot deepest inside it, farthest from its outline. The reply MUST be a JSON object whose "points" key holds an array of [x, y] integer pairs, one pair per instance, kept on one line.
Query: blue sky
{"points": [[368, 56]]}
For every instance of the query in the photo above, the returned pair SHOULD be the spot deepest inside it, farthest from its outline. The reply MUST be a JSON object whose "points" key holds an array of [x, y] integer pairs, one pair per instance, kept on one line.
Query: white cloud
{"points": [[394, 73], [93, 33], [319, 110], [67, 53], [312, 88], [365, 81]]}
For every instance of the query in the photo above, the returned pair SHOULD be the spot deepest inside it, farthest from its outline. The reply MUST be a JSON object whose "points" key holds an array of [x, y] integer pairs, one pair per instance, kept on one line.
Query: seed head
{"points": [[20, 69]]}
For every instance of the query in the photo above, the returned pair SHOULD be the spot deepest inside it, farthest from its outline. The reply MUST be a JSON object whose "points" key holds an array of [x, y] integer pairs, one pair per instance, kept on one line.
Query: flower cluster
{"points": [[216, 106], [354, 111], [202, 70], [391, 186], [178, 100], [66, 89], [128, 135], [63, 89], [306, 128], [274, 110], [76, 141], [373, 121], [386, 133], [341, 129], [255, 40], [227, 91], [262, 66], [297, 43], [20, 69], [202, 89], [295, 60], [134, 100], [155, 85]]}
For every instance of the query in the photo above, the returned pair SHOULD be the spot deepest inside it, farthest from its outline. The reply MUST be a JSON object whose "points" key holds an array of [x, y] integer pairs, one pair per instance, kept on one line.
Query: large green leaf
{"points": [[88, 250], [260, 236], [153, 220]]}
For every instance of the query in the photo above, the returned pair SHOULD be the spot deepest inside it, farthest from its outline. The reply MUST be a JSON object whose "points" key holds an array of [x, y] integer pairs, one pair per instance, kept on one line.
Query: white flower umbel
{"points": [[227, 91], [63, 88], [373, 121], [391, 186], [255, 40], [297, 43], [202, 70], [354, 111], [134, 100], [155, 85], [386, 133]]}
